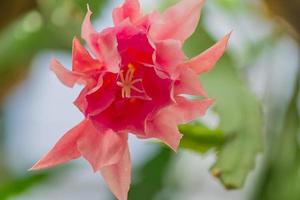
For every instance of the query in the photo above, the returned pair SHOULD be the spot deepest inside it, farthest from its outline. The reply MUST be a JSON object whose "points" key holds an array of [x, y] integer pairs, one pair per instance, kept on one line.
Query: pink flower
{"points": [[134, 84]]}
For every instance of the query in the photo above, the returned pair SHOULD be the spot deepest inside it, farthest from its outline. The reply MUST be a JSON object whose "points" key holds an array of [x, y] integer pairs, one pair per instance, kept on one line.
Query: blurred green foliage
{"points": [[281, 167], [28, 28], [231, 5], [149, 177], [18, 185], [4, 172], [239, 112], [12, 9], [51, 26], [198, 138]]}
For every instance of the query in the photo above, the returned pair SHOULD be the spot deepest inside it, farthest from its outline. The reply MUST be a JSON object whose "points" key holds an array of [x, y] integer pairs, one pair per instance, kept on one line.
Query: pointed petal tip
{"points": [[184, 14], [54, 65], [130, 10], [206, 104], [226, 39], [34, 169], [75, 40], [39, 165], [210, 100], [87, 27], [89, 12], [228, 36], [205, 61], [75, 44], [174, 143], [88, 8], [53, 61], [175, 147], [66, 76], [118, 176], [31, 169]]}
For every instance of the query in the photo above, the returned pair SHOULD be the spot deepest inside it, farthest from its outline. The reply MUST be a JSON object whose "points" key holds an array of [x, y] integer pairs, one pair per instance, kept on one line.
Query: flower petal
{"points": [[191, 109], [102, 95], [207, 60], [130, 113], [87, 28], [169, 55], [178, 22], [118, 176], [102, 147], [81, 102], [82, 61], [64, 150], [105, 47], [163, 126], [133, 44], [147, 20], [130, 9], [65, 76], [188, 83]]}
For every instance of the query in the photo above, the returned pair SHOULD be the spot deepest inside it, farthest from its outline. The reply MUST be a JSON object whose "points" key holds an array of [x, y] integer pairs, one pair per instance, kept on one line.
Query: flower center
{"points": [[127, 82]]}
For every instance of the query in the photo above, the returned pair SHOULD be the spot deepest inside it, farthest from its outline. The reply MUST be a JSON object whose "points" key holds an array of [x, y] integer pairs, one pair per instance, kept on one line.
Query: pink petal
{"points": [[188, 83], [130, 9], [102, 95], [65, 149], [163, 126], [82, 61], [207, 60], [118, 176], [102, 147], [147, 20], [81, 102], [87, 28], [169, 55], [178, 22], [85, 102], [65, 76], [133, 44], [191, 109], [105, 47]]}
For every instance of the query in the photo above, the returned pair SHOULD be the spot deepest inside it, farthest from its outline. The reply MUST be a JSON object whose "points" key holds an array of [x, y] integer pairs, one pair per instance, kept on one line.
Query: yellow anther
{"points": [[131, 67]]}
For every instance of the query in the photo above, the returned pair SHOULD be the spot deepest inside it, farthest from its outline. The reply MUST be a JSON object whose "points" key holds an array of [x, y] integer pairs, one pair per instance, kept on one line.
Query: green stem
{"points": [[199, 138]]}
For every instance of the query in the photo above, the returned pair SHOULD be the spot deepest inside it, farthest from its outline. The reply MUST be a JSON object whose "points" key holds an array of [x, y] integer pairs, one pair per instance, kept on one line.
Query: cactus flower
{"points": [[136, 79]]}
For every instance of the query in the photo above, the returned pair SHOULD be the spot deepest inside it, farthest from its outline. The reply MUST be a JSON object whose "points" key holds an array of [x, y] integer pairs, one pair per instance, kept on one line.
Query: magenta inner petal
{"points": [[133, 46], [127, 99], [131, 113]]}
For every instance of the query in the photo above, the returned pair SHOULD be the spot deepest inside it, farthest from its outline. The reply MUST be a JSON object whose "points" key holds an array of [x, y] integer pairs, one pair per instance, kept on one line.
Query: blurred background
{"points": [[246, 148]]}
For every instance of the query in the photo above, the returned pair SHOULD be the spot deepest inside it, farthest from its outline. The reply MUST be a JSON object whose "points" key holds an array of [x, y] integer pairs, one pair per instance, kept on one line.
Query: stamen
{"points": [[121, 76], [136, 80], [127, 83], [136, 89], [130, 74]]}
